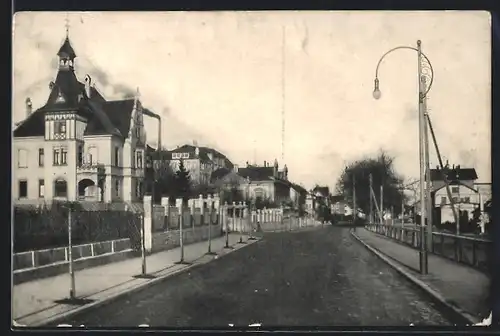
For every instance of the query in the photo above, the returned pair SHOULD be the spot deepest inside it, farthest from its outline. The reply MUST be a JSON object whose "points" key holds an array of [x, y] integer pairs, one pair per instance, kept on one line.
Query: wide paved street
{"points": [[321, 277]]}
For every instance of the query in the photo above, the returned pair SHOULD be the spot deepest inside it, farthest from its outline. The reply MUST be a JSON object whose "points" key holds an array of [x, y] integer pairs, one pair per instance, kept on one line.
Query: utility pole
{"points": [[382, 204], [421, 119], [354, 216], [427, 172], [402, 208], [371, 201]]}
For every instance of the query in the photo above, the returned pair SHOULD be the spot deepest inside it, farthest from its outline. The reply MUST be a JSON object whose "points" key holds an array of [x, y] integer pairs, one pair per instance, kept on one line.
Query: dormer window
{"points": [[60, 98]]}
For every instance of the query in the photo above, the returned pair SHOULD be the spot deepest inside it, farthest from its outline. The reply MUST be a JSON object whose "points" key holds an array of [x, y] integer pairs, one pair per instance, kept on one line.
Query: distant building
{"points": [[78, 145], [201, 162], [322, 195], [265, 182], [466, 194]]}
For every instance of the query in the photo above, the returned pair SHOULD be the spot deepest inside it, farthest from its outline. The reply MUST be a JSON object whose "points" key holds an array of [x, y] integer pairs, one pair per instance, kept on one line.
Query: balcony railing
{"points": [[91, 168]]}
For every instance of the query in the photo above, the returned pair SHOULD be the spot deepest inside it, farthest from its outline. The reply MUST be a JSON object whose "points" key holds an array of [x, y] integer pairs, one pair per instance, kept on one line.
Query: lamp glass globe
{"points": [[377, 94]]}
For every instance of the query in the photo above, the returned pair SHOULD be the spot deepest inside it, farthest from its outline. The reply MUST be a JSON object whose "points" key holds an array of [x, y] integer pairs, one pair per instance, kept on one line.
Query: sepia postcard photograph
{"points": [[251, 169]]}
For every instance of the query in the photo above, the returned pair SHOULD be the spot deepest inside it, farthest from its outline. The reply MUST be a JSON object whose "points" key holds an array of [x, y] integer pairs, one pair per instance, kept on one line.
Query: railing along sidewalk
{"points": [[471, 251]]}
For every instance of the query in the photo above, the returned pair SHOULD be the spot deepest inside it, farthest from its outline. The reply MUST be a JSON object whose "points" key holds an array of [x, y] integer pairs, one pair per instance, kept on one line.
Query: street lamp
{"points": [[425, 71]]}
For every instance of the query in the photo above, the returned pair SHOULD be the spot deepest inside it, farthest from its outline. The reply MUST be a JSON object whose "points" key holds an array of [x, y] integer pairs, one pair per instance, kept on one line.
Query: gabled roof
{"points": [[323, 191], [299, 188], [336, 198], [119, 113], [457, 173], [204, 155], [257, 173], [456, 183], [219, 173]]}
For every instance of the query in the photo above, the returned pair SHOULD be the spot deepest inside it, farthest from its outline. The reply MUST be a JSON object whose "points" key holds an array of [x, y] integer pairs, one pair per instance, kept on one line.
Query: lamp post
{"points": [[423, 62]]}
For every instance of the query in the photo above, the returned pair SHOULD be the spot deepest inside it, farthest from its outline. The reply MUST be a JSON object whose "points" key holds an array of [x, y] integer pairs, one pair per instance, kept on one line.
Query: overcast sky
{"points": [[216, 77]]}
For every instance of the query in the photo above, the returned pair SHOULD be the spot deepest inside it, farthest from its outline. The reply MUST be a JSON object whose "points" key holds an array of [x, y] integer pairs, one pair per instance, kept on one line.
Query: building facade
{"points": [[78, 145], [201, 162], [467, 196], [265, 182]]}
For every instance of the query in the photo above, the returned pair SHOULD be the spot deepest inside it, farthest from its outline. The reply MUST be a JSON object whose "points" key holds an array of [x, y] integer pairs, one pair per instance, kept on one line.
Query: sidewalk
{"points": [[460, 286], [33, 302]]}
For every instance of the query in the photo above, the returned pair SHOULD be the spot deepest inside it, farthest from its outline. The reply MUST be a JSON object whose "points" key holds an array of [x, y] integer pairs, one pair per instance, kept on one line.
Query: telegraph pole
{"points": [[428, 186], [382, 204], [354, 216], [371, 201]]}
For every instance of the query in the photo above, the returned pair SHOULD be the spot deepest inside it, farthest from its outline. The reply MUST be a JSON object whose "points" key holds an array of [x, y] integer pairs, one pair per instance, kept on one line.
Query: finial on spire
{"points": [[67, 25]]}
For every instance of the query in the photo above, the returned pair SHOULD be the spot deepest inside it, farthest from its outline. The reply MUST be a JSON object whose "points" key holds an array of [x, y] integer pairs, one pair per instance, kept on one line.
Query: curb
{"points": [[462, 315], [137, 288]]}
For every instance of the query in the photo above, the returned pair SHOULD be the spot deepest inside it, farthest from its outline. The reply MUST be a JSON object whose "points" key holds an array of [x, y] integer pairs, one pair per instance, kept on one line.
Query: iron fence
{"points": [[471, 251]]}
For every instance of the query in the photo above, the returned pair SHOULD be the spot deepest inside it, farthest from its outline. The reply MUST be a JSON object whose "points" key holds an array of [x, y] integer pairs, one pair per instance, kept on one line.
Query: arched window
{"points": [[60, 188]]}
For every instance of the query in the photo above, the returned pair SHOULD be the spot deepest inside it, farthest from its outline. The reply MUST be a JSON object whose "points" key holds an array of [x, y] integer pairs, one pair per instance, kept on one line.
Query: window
{"points": [[55, 157], [80, 155], [443, 199], [23, 189], [41, 188], [117, 156], [466, 200], [40, 157], [64, 156], [60, 188], [455, 199], [139, 159], [139, 189], [22, 158], [185, 155], [454, 190], [60, 156], [60, 127], [117, 188]]}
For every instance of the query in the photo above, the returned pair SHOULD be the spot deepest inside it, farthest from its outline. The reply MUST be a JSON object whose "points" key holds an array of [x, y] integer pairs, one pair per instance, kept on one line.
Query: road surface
{"points": [[322, 277]]}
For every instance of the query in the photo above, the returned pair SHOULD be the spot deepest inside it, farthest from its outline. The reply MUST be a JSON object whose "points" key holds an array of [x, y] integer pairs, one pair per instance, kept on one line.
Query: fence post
{"points": [[165, 203], [226, 207], [210, 205], [181, 229], [143, 245], [240, 215], [72, 294]]}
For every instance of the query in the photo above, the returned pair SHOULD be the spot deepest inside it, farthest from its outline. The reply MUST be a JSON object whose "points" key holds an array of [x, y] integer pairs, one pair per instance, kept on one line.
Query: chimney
{"points": [[247, 163], [28, 107], [235, 168], [453, 166], [265, 163], [88, 82]]}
